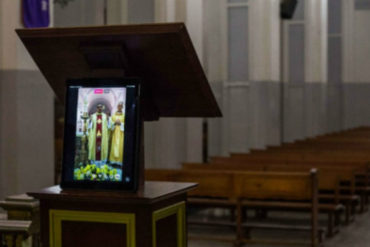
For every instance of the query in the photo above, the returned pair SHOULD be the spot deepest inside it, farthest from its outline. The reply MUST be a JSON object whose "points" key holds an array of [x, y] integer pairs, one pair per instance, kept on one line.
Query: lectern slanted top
{"points": [[161, 55]]}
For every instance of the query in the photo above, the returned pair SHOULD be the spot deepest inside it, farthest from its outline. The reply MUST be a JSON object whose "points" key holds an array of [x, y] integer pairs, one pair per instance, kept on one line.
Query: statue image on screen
{"points": [[100, 129]]}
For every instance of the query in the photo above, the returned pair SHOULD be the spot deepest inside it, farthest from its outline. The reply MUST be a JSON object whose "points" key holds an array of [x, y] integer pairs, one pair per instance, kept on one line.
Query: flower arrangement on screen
{"points": [[95, 173]]}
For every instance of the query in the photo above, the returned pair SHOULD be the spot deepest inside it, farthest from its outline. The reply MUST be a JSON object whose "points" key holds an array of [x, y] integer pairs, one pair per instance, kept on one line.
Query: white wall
{"points": [[12, 56], [356, 64], [361, 44], [356, 48], [26, 106], [82, 13]]}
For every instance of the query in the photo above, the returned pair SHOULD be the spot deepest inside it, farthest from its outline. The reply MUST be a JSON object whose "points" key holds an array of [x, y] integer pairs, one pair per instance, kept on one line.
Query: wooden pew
{"points": [[315, 146], [329, 152], [340, 155], [328, 184], [331, 176], [336, 159], [332, 141], [359, 166], [360, 170], [238, 189], [279, 191], [292, 157]]}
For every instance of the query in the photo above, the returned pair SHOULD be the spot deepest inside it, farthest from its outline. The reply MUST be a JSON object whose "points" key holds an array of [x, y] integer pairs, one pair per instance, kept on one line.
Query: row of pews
{"points": [[326, 176]]}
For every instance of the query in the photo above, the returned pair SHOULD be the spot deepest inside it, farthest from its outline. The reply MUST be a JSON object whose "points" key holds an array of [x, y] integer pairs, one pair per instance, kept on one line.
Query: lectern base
{"points": [[152, 217]]}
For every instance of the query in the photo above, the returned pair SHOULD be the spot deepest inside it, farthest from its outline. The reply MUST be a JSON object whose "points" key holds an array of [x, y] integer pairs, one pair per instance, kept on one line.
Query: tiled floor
{"points": [[356, 234]]}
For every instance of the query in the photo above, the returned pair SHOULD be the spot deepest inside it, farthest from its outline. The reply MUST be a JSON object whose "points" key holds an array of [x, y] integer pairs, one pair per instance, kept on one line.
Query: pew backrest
{"points": [[242, 184]]}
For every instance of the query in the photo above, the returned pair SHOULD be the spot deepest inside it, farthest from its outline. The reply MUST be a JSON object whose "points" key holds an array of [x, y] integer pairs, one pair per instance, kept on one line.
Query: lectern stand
{"points": [[173, 85]]}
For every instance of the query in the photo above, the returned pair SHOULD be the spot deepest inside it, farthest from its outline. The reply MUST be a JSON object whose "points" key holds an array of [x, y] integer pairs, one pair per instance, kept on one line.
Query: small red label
{"points": [[98, 91]]}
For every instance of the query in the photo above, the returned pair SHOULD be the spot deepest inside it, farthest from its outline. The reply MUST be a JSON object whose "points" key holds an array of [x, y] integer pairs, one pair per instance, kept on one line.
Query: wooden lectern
{"points": [[173, 85]]}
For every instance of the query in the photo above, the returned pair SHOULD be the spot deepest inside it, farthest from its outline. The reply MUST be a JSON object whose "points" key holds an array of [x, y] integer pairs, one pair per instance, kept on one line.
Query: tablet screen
{"points": [[101, 134]]}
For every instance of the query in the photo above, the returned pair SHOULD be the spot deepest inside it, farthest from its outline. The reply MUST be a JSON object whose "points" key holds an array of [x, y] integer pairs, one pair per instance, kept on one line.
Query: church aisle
{"points": [[356, 234]]}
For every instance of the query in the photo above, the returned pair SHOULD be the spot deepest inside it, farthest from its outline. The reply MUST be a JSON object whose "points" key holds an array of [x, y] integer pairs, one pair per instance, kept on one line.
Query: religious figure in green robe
{"points": [[98, 136], [118, 121]]}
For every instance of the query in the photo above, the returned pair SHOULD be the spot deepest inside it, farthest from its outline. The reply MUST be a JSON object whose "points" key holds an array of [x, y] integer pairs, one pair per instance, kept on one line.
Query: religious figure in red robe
{"points": [[98, 136]]}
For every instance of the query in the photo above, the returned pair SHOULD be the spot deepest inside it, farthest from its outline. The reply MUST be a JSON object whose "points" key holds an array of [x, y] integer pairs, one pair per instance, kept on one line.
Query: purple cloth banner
{"points": [[36, 13]]}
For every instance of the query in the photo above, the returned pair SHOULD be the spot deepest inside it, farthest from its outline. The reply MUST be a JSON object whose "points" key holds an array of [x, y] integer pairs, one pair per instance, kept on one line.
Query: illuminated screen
{"points": [[102, 148], [99, 134]]}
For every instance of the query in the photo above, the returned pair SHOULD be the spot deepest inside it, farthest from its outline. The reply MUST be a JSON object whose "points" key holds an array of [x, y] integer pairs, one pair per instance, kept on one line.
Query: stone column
{"points": [[316, 63], [264, 32], [316, 42], [195, 22], [264, 67]]}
